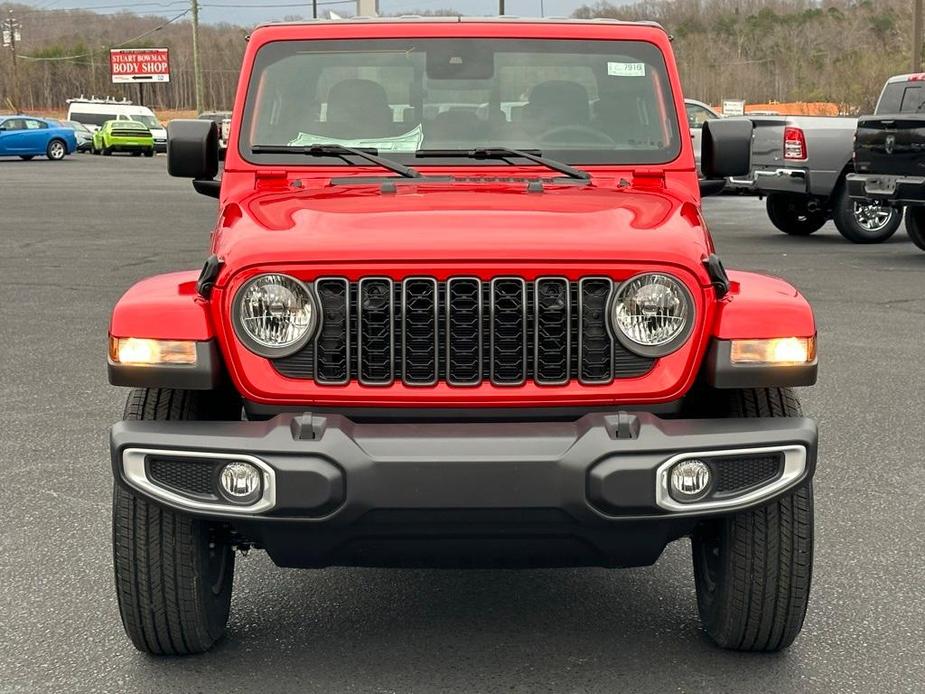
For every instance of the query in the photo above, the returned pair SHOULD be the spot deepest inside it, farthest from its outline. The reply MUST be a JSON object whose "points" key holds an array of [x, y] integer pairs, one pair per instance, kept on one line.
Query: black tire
{"points": [[849, 216], [106, 151], [753, 569], [137, 153], [149, 152], [56, 150], [27, 157], [173, 572], [791, 214], [915, 225]]}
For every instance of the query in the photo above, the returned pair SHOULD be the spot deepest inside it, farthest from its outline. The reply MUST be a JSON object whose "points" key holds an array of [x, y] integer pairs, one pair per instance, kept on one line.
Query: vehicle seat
{"points": [[556, 103], [620, 117], [456, 127], [359, 109]]}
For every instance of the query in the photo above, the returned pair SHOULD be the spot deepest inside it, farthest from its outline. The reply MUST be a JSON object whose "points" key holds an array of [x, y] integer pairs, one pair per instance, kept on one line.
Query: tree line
{"points": [[837, 51]]}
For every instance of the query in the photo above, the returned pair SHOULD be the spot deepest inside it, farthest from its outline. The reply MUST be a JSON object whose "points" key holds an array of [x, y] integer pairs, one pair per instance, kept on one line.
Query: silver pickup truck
{"points": [[800, 164]]}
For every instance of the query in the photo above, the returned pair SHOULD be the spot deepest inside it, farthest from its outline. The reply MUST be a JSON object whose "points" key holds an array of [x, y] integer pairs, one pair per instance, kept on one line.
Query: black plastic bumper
{"points": [[582, 492], [895, 190]]}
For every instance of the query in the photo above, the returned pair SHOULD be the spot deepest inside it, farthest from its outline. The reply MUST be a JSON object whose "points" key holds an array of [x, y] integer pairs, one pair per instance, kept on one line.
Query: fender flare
{"points": [[167, 307], [759, 307]]}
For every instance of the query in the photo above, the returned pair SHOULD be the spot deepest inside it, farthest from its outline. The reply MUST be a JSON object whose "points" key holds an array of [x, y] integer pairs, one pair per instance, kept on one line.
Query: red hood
{"points": [[461, 223]]}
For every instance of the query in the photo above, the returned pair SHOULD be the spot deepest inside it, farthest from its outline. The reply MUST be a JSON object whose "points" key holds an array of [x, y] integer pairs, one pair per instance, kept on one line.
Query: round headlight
{"points": [[652, 314], [274, 315]]}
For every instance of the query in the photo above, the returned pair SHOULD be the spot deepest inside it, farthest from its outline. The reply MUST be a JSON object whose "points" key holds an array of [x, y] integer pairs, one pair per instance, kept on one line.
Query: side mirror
{"points": [[192, 149], [726, 148]]}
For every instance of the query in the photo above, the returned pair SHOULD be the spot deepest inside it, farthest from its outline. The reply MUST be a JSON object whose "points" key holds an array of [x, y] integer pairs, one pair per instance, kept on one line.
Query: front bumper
{"points": [[587, 492], [894, 190]]}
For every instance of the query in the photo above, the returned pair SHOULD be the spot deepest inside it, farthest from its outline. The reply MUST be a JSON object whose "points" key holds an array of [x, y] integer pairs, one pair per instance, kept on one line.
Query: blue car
{"points": [[27, 137]]}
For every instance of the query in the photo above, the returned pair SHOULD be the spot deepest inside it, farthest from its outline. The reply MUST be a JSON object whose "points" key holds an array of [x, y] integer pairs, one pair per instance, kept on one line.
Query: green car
{"points": [[123, 136]]}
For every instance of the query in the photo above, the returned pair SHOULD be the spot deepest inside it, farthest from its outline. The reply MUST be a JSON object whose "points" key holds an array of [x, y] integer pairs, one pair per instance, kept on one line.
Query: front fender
{"points": [[759, 306], [163, 307], [167, 307]]}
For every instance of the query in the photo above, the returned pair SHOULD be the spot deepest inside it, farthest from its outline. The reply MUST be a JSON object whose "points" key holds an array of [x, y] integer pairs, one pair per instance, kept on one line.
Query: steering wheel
{"points": [[584, 132]]}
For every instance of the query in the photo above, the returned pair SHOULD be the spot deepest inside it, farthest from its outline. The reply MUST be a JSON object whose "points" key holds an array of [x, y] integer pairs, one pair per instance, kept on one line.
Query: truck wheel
{"points": [[173, 572], [865, 221], [915, 225], [791, 214], [753, 569]]}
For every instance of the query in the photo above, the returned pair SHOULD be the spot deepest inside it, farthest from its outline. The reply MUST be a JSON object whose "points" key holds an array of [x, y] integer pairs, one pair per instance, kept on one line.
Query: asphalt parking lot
{"points": [[75, 234]]}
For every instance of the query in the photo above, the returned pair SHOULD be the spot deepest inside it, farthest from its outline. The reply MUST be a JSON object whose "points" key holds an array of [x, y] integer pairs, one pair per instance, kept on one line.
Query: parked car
{"points": [[82, 133], [94, 112], [889, 152], [123, 136], [698, 113], [28, 137], [419, 342], [801, 163], [222, 119]]}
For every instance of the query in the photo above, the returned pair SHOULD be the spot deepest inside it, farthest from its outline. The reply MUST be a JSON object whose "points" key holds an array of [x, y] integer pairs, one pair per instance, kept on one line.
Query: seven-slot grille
{"points": [[464, 331]]}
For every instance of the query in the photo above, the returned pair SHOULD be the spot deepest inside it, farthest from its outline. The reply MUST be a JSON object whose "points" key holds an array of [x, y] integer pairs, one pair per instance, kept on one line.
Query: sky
{"points": [[248, 12]]}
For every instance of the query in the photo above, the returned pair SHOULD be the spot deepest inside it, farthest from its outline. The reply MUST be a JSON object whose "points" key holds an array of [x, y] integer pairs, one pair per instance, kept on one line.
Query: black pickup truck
{"points": [[889, 152]]}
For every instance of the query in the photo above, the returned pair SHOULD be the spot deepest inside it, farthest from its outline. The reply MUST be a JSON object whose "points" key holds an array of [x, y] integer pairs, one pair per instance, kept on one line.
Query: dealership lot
{"points": [[76, 233]]}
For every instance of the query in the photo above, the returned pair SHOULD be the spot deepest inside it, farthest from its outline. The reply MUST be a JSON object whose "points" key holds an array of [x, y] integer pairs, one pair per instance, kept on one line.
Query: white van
{"points": [[94, 112]]}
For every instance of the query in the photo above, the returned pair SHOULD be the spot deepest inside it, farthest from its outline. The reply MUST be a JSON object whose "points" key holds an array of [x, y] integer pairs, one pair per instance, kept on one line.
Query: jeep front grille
{"points": [[464, 331]]}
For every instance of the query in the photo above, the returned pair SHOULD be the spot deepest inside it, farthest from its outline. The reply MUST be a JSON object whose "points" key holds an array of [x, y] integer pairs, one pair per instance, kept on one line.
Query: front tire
{"points": [[106, 151], [791, 214], [173, 572], [753, 569], [56, 150], [915, 225], [865, 221]]}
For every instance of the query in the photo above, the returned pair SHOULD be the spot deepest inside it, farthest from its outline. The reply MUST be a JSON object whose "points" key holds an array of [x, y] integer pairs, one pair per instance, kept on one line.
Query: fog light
{"points": [[690, 480], [240, 482]]}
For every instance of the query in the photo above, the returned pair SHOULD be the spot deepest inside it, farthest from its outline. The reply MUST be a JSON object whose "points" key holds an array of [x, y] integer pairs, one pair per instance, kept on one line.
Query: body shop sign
{"points": [[139, 65]]}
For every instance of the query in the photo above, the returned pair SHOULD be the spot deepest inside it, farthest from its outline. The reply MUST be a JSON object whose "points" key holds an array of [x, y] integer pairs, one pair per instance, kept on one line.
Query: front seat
{"points": [[554, 104], [359, 109]]}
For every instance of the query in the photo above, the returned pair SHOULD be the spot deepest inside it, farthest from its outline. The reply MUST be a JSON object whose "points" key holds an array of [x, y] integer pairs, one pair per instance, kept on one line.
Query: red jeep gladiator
{"points": [[460, 309]]}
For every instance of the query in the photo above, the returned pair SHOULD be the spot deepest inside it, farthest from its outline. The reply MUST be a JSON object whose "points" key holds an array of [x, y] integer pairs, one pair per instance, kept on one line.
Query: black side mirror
{"points": [[726, 148], [192, 151]]}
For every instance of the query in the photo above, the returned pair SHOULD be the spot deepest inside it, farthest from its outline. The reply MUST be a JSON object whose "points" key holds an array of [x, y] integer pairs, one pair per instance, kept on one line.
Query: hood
{"points": [[462, 223]]}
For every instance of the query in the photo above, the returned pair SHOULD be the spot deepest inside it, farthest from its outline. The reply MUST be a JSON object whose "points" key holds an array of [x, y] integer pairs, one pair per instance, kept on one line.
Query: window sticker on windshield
{"points": [[626, 69], [408, 142]]}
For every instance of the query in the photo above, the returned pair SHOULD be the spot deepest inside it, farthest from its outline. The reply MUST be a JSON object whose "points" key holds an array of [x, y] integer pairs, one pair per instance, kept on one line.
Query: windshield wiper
{"points": [[370, 155], [505, 153]]}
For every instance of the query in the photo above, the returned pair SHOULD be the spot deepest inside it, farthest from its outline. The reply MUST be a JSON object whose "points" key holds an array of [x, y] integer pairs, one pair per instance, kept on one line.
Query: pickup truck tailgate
{"points": [[890, 144]]}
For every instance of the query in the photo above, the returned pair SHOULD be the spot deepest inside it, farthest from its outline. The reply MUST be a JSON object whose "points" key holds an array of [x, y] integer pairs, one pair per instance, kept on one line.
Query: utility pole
{"points": [[500, 7], [917, 36], [314, 9], [10, 36], [197, 68]]}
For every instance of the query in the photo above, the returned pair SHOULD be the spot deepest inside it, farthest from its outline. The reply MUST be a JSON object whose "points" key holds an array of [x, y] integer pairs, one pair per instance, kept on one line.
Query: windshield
{"points": [[148, 121], [582, 102]]}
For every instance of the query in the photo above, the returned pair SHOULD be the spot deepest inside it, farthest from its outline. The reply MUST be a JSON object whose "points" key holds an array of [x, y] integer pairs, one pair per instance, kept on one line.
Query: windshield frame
{"points": [[605, 158]]}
